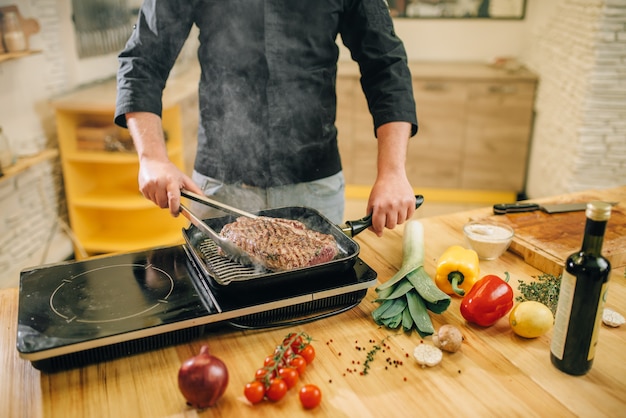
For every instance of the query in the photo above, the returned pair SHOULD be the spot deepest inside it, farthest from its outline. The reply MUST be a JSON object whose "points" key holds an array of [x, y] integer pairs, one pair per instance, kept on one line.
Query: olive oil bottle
{"points": [[581, 298]]}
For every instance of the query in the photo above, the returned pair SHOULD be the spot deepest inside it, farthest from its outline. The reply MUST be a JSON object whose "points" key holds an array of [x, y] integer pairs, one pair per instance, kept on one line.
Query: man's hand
{"points": [[391, 200], [159, 179], [391, 203], [161, 183]]}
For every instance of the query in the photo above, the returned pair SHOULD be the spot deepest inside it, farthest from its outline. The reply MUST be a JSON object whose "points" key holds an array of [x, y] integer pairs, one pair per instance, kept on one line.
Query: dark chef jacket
{"points": [[267, 89]]}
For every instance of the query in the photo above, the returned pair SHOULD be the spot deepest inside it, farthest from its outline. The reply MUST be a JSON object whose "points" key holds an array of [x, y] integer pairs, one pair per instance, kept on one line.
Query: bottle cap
{"points": [[598, 211]]}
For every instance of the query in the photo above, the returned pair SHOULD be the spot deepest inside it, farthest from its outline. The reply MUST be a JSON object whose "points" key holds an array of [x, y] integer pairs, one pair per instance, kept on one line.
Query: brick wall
{"points": [[33, 215], [579, 139], [31, 233]]}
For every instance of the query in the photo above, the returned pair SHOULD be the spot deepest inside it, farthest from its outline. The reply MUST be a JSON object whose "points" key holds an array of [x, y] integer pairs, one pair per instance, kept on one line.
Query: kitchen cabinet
{"points": [[107, 212], [475, 124]]}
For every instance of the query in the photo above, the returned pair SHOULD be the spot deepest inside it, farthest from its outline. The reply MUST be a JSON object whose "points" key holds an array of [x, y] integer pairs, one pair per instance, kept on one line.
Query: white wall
{"points": [[460, 40], [81, 71]]}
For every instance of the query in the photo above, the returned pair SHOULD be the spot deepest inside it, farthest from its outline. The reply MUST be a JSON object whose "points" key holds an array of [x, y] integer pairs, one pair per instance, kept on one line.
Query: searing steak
{"points": [[280, 244]]}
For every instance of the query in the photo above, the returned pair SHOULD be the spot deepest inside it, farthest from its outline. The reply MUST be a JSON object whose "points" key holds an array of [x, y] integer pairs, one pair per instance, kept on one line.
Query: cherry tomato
{"points": [[283, 352], [276, 390], [289, 375], [254, 392], [263, 375], [269, 361], [310, 396], [296, 344], [308, 352], [298, 362]]}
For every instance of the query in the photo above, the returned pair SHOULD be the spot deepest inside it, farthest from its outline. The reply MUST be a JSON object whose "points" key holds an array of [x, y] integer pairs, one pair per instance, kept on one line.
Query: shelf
{"points": [[8, 56], [112, 157], [120, 200], [24, 163], [102, 230], [102, 157], [107, 212], [29, 26]]}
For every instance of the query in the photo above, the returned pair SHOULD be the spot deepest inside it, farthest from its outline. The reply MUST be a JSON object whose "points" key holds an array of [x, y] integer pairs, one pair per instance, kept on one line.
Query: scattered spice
{"points": [[366, 364], [544, 290]]}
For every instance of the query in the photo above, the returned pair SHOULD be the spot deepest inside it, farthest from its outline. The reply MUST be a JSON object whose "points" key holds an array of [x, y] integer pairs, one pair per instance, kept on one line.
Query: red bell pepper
{"points": [[487, 301]]}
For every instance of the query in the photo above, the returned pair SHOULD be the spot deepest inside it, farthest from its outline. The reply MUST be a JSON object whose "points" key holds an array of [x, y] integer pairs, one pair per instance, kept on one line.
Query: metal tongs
{"points": [[215, 204], [232, 251]]}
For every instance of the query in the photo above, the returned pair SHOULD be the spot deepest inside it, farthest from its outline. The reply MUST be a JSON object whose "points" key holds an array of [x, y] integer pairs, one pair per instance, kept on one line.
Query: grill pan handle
{"points": [[352, 228]]}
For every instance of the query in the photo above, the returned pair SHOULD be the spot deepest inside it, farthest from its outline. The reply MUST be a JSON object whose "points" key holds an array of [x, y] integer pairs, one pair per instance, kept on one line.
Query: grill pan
{"points": [[223, 272]]}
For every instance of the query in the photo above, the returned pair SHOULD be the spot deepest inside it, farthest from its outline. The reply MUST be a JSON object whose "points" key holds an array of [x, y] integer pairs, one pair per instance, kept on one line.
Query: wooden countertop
{"points": [[496, 373]]}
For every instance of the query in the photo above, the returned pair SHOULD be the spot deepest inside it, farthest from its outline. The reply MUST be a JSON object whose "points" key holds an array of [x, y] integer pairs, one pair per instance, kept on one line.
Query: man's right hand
{"points": [[161, 183], [159, 179]]}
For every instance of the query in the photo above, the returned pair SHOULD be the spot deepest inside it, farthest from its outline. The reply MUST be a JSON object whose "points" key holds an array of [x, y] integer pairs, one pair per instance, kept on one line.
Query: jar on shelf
{"points": [[13, 33]]}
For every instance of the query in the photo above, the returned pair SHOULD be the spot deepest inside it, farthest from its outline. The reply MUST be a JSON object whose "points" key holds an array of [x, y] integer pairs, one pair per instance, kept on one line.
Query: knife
{"points": [[504, 208]]}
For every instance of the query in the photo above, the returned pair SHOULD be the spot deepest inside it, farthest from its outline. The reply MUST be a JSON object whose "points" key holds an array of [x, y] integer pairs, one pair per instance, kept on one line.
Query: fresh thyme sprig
{"points": [[370, 354], [370, 358], [545, 290]]}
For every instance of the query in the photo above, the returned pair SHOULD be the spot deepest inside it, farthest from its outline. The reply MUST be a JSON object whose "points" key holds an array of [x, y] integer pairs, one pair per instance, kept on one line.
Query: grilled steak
{"points": [[280, 244]]}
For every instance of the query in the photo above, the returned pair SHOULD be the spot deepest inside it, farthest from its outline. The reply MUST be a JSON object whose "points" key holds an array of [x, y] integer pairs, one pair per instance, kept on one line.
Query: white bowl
{"points": [[488, 238]]}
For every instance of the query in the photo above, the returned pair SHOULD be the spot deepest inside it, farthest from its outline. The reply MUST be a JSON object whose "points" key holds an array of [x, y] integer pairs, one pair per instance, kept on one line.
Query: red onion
{"points": [[202, 379]]}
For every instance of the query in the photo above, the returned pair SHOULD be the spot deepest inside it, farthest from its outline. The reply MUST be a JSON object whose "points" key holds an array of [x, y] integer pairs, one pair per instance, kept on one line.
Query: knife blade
{"points": [[504, 208]]}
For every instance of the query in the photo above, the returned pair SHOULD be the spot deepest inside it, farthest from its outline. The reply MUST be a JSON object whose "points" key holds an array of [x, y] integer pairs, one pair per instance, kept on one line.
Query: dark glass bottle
{"points": [[581, 298]]}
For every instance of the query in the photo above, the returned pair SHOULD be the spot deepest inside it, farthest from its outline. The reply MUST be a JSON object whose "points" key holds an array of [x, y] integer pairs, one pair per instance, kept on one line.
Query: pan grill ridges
{"points": [[223, 270]]}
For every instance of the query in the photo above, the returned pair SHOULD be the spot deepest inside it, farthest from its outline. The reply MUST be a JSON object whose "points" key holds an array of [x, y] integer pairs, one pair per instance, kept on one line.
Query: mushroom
{"points": [[449, 338]]}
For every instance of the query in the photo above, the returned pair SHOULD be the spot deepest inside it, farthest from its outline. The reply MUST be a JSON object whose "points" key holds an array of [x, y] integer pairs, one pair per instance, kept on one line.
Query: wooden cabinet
{"points": [[475, 125], [435, 155], [497, 134], [106, 210]]}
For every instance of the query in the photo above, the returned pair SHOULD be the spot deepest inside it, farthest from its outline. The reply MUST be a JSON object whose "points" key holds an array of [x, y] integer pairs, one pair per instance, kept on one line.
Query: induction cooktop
{"points": [[80, 312]]}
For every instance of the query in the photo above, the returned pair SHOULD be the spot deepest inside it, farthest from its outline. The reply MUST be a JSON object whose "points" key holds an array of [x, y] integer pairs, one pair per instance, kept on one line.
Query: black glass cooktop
{"points": [[72, 302], [72, 307]]}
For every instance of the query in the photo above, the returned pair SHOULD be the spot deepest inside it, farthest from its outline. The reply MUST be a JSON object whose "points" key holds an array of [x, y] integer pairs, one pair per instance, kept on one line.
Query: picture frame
{"points": [[458, 9]]}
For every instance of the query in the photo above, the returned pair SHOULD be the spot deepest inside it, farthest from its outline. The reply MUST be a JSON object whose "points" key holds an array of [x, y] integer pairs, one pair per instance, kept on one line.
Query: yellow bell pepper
{"points": [[457, 270]]}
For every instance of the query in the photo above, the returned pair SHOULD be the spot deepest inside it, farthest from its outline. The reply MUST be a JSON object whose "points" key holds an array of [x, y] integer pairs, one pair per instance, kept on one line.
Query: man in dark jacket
{"points": [[267, 135]]}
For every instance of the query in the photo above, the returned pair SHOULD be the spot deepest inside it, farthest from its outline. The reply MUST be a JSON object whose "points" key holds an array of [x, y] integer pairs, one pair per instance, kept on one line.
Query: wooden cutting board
{"points": [[546, 240]]}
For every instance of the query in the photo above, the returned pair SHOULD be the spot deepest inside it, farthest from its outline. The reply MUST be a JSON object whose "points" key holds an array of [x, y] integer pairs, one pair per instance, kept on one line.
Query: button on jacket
{"points": [[267, 86]]}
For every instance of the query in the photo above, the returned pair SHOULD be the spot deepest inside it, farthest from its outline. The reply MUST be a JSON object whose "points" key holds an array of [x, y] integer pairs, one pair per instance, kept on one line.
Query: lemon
{"points": [[530, 319]]}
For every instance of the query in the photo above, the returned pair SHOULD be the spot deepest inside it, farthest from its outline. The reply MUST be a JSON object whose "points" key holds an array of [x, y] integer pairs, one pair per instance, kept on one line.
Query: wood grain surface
{"points": [[495, 374]]}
